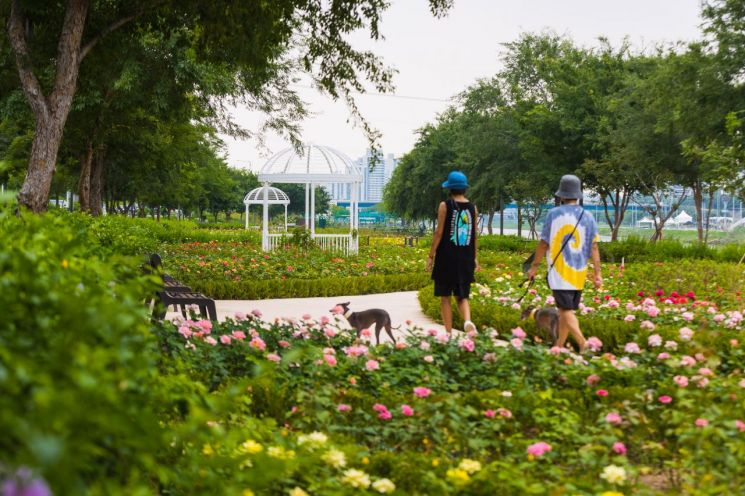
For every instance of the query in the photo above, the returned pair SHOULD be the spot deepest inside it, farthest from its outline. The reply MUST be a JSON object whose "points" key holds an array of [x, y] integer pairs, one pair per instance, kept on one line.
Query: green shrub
{"points": [[77, 360], [304, 288]]}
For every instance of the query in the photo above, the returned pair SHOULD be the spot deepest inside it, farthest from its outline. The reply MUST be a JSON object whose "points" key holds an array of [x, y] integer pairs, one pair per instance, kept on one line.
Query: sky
{"points": [[438, 58]]}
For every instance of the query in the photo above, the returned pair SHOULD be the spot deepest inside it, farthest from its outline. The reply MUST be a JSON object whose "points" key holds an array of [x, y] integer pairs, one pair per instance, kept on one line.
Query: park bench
{"points": [[177, 294], [411, 241]]}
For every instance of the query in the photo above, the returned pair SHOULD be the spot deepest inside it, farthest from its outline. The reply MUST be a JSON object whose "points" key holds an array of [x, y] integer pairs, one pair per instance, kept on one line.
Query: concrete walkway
{"points": [[401, 306]]}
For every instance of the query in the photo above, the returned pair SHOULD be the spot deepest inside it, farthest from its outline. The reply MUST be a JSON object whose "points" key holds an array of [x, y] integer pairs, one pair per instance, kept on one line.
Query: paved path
{"points": [[401, 306]]}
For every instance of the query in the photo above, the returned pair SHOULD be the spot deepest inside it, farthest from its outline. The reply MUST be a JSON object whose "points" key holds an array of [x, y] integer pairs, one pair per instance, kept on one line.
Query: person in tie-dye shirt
{"points": [[567, 275]]}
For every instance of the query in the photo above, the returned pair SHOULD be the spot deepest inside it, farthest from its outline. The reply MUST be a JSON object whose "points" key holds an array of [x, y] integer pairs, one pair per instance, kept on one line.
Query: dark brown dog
{"points": [[366, 318], [546, 320]]}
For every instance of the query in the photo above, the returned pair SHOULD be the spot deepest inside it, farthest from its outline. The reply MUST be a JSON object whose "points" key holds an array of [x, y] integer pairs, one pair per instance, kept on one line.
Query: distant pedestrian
{"points": [[453, 251], [568, 240]]}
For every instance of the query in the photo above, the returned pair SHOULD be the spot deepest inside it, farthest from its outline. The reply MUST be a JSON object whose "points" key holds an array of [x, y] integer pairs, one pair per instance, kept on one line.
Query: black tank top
{"points": [[455, 259]]}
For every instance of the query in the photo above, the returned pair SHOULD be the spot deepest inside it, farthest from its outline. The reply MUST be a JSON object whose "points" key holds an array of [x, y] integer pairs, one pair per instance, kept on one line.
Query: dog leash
{"points": [[527, 290]]}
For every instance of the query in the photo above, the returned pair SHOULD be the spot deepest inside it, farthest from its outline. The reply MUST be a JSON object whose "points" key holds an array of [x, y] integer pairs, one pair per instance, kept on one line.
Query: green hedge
{"points": [[305, 288]]}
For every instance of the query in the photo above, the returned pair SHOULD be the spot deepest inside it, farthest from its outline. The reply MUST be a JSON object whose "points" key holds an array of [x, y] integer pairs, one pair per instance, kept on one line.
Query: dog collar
{"points": [[348, 313], [532, 313]]}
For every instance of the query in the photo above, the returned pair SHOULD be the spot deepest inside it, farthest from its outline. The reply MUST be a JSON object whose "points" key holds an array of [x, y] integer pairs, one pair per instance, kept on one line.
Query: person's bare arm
{"points": [[540, 254], [598, 278], [439, 230]]}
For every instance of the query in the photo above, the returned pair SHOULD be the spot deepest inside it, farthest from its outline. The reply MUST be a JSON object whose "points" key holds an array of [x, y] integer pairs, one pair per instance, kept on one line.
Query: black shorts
{"points": [[461, 291], [567, 299]]}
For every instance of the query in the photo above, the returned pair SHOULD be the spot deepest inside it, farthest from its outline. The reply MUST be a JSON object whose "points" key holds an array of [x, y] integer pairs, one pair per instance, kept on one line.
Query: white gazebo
{"points": [[276, 197], [312, 165]]}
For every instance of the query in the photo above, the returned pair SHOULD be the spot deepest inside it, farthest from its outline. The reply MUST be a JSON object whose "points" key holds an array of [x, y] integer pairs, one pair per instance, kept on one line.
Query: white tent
{"points": [[313, 165], [645, 222], [682, 218]]}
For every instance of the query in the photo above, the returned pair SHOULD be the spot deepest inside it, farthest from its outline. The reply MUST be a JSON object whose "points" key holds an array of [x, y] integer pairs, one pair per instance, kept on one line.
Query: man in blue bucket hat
{"points": [[452, 258]]}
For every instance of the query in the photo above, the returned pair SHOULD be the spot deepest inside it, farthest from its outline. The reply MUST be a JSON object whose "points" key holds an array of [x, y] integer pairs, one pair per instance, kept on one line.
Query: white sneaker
{"points": [[469, 326]]}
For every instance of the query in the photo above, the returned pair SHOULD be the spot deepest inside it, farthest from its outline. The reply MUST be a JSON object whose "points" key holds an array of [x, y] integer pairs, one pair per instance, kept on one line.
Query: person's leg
{"points": [[569, 325], [446, 310], [464, 309]]}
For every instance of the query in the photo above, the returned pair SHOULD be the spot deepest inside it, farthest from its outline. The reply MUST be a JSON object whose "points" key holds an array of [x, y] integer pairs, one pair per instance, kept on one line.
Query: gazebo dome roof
{"points": [[312, 163], [275, 197]]}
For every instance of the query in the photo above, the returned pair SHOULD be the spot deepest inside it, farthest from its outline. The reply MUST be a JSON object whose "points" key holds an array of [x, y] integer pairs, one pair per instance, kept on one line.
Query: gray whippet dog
{"points": [[366, 318]]}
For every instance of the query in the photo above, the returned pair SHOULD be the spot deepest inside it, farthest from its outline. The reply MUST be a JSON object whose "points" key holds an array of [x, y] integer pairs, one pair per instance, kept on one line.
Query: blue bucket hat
{"points": [[456, 180]]}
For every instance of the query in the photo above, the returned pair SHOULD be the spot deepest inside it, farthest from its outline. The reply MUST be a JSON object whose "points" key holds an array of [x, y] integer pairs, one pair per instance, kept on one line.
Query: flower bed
{"points": [[479, 414]]}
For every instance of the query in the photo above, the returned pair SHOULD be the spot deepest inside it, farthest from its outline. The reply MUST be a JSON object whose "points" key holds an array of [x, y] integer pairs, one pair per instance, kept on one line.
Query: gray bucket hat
{"points": [[570, 187]]}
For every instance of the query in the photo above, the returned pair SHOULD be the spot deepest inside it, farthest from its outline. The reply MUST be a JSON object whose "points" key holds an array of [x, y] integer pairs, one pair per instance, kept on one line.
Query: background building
{"points": [[373, 179]]}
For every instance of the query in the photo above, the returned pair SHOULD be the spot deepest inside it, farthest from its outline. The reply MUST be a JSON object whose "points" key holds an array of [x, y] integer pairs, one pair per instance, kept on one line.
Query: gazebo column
{"points": [[312, 209], [285, 217], [246, 215], [265, 229], [307, 205]]}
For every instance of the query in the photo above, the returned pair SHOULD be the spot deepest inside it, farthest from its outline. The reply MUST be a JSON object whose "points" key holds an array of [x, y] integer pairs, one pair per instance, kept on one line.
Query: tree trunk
{"points": [[708, 213], [50, 113], [489, 228], [519, 220], [97, 181], [84, 182], [698, 200]]}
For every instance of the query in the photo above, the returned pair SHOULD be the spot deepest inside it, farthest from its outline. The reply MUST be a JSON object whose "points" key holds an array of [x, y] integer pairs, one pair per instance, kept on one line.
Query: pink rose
{"points": [[365, 333], [550, 300], [592, 379], [372, 365], [681, 380], [594, 344], [539, 449], [256, 312], [306, 316], [687, 316], [490, 413], [602, 392], [424, 345], [613, 418], [517, 343], [701, 422], [664, 399], [518, 333], [685, 333], [687, 361], [619, 448], [705, 371], [422, 392], [429, 358], [646, 324], [273, 357], [401, 345], [342, 407], [225, 339], [240, 316], [654, 340], [630, 318], [632, 348], [330, 360], [740, 425], [185, 332], [329, 332], [505, 413], [702, 382], [284, 344], [663, 356], [258, 343], [386, 415], [719, 317], [671, 345], [206, 326], [210, 340], [467, 344], [653, 311], [442, 337], [324, 319], [407, 410], [239, 335], [741, 383]]}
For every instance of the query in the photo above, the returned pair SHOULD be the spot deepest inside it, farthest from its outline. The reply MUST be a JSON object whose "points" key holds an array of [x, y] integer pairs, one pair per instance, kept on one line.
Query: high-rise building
{"points": [[374, 179]]}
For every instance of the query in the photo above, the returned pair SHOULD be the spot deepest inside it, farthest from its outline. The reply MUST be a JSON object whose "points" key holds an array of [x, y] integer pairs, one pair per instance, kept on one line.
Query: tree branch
{"points": [[85, 50], [31, 86], [68, 60]]}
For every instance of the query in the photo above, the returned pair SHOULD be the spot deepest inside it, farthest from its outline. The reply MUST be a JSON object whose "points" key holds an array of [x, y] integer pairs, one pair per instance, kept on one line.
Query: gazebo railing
{"points": [[339, 243], [335, 243]]}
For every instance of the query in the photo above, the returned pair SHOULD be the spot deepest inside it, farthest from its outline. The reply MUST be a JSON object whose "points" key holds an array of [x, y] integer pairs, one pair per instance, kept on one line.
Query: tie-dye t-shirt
{"points": [[570, 270]]}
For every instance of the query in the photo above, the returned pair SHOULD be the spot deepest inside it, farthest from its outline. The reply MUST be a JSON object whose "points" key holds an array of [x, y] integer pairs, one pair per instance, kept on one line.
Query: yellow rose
{"points": [[297, 492], [458, 475], [470, 466], [384, 486]]}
